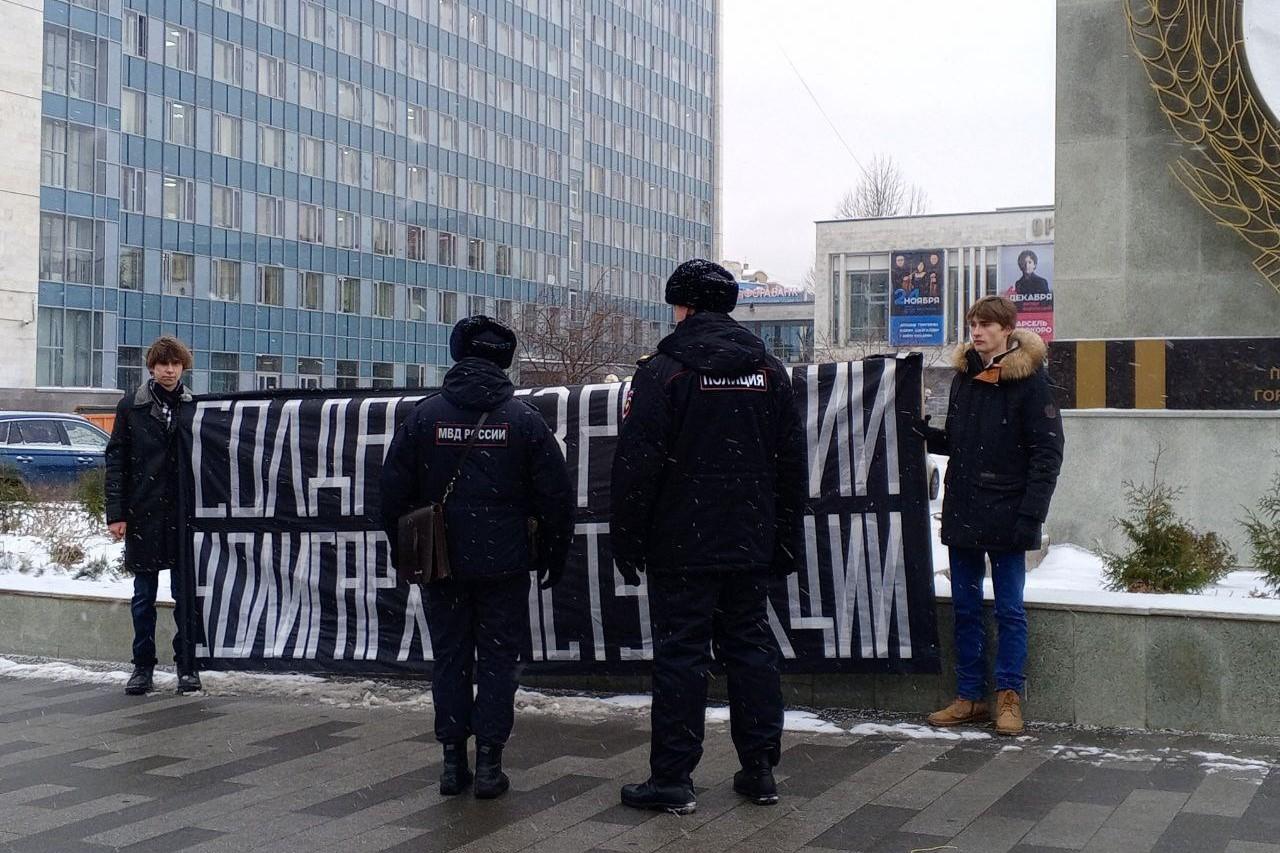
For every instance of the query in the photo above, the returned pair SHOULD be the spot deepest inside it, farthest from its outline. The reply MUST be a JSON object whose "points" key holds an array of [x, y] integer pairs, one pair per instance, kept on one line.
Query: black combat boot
{"points": [[189, 682], [672, 797], [491, 782], [455, 775], [755, 782], [140, 681]]}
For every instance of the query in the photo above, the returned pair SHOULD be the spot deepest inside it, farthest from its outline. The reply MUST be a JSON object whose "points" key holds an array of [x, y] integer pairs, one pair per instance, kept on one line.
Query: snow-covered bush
{"points": [[1263, 527], [1165, 554]]}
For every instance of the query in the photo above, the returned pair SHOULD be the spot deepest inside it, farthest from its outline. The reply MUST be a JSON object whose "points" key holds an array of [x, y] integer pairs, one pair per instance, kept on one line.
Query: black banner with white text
{"points": [[292, 570]]}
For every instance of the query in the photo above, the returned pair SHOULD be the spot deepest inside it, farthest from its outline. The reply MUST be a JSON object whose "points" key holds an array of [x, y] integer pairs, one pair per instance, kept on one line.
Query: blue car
{"points": [[48, 449]]}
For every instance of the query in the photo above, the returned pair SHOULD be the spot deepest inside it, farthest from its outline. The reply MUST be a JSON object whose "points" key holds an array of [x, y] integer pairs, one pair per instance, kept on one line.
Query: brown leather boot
{"points": [[1008, 712], [959, 713]]}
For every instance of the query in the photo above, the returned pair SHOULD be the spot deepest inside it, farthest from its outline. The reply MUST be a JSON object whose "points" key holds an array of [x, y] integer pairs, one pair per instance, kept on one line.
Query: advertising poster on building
{"points": [[915, 309], [1026, 277]]}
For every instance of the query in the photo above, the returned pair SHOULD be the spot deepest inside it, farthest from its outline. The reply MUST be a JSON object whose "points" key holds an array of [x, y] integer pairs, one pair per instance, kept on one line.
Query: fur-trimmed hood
{"points": [[1025, 356]]}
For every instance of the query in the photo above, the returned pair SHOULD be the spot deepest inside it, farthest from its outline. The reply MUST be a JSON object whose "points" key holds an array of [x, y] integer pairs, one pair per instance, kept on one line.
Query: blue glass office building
{"points": [[311, 193]]}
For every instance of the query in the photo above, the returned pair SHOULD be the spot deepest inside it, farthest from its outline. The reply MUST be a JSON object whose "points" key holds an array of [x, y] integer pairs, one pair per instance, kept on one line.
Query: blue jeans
{"points": [[1008, 576], [143, 608]]}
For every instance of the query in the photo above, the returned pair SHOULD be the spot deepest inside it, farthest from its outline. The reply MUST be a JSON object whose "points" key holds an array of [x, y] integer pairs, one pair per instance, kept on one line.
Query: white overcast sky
{"points": [[960, 94]]}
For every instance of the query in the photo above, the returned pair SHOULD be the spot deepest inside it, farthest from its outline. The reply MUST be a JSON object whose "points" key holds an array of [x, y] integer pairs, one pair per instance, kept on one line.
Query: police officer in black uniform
{"points": [[479, 618], [708, 499]]}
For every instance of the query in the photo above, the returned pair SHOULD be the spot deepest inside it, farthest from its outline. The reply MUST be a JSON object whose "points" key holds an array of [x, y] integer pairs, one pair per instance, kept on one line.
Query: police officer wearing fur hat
{"points": [[514, 471], [708, 500]]}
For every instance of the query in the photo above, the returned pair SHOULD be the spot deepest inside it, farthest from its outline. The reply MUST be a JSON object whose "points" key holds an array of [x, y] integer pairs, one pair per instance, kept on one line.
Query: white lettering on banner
{"points": [[261, 407], [329, 470], [866, 434], [197, 466], [300, 599], [561, 428], [779, 633], [287, 428], [359, 574], [366, 438], [587, 431], [415, 621], [815, 621], [834, 424], [849, 579]]}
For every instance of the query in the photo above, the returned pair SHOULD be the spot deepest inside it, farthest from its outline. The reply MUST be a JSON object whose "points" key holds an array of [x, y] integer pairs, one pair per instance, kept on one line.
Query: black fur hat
{"points": [[702, 285], [482, 337]]}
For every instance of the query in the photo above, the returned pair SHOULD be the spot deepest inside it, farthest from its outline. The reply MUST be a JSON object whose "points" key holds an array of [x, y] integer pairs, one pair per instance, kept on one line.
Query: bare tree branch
{"points": [[882, 191]]}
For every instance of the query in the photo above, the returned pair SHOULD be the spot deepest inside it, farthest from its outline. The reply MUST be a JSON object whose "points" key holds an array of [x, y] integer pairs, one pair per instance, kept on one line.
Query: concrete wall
{"points": [[1222, 459], [21, 63], [1135, 254], [1118, 667]]}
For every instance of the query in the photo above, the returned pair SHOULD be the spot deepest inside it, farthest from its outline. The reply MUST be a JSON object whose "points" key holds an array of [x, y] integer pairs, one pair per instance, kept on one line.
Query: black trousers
{"points": [[146, 586], [693, 613], [479, 635]]}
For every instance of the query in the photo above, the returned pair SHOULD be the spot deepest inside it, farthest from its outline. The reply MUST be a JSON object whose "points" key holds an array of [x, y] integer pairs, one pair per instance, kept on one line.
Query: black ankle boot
{"points": [[491, 782], [756, 784], [672, 797], [140, 681], [455, 775]]}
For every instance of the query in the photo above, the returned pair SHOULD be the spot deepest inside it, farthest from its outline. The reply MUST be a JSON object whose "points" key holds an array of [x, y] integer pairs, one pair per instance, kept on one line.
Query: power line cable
{"points": [[818, 104]]}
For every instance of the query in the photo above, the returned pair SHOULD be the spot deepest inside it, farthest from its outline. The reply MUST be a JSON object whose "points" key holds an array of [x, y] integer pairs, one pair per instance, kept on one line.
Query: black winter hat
{"points": [[702, 285], [482, 337]]}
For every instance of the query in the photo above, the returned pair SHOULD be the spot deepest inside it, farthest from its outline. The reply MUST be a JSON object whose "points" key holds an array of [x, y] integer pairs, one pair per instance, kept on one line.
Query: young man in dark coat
{"points": [[480, 616], [708, 498], [1004, 437], [146, 461]]}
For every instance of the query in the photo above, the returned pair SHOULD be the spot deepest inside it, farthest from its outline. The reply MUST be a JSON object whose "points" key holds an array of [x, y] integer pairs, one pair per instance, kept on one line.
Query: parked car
{"points": [[935, 477], [49, 449]]}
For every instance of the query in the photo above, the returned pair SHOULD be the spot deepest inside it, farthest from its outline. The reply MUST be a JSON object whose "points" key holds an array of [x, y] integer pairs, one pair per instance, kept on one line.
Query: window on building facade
{"points": [[133, 34], [446, 250], [311, 156], [271, 76], [226, 280], [226, 207], [447, 309], [384, 299], [271, 146], [416, 243], [383, 237], [311, 291], [349, 36], [310, 223], [477, 28], [449, 15], [227, 132], [178, 198], [133, 112], [418, 301], [349, 295], [310, 89], [130, 367], [384, 112], [418, 59], [475, 255], [228, 63], [505, 205], [267, 371], [236, 6], [177, 273], [868, 306], [477, 305], [448, 74], [416, 123], [68, 344], [313, 22], [310, 372], [271, 13], [384, 175], [180, 123], [130, 277], [270, 218], [476, 142], [383, 374], [348, 100], [348, 374], [271, 285], [384, 49], [503, 311], [349, 166], [448, 133], [477, 194], [66, 248], [179, 48], [348, 230], [66, 155], [415, 376], [224, 372], [503, 260], [417, 181]]}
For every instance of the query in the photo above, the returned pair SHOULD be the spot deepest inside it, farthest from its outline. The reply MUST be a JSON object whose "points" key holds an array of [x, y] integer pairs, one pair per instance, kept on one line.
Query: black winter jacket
{"points": [[709, 469], [514, 472], [147, 461], [1004, 437]]}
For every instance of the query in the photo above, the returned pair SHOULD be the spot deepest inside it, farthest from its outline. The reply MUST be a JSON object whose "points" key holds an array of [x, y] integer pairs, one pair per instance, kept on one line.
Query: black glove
{"points": [[630, 573], [548, 578], [920, 426], [1026, 533]]}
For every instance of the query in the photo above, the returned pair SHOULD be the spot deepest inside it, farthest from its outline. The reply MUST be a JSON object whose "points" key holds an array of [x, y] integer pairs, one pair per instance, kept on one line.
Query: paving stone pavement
{"points": [[85, 769]]}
